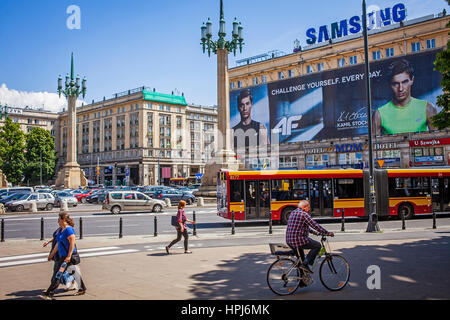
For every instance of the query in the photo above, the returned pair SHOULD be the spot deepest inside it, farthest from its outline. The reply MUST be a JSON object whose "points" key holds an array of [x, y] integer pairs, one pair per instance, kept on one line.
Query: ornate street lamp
{"points": [[3, 111], [224, 157], [231, 46], [72, 87], [71, 176]]}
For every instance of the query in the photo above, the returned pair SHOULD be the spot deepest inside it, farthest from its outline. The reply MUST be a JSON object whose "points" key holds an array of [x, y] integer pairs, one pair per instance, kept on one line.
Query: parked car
{"points": [[65, 196], [10, 193], [97, 197], [81, 197], [15, 189], [175, 196], [150, 191], [13, 196], [117, 201], [44, 201]]}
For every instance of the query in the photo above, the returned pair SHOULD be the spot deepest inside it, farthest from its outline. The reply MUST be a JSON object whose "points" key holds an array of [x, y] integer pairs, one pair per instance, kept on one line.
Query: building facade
{"points": [[141, 137], [400, 150]]}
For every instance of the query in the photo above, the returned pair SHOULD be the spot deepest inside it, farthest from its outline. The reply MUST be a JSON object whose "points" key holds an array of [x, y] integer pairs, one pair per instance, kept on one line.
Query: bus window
{"points": [[409, 187], [236, 191], [348, 188], [280, 190], [300, 189]]}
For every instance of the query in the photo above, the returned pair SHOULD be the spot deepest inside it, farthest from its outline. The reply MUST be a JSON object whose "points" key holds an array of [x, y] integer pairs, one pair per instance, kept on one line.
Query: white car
{"points": [[44, 201]]}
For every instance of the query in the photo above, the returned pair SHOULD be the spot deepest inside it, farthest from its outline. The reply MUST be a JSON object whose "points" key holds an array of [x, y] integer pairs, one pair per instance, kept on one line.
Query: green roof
{"points": [[162, 97]]}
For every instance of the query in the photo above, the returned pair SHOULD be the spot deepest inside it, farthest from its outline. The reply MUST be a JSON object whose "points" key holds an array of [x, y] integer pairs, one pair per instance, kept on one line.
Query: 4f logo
{"points": [[286, 125]]}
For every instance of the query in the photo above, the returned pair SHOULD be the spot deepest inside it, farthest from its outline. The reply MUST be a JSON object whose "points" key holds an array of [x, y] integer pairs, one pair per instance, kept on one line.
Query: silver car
{"points": [[117, 201], [44, 201], [64, 196]]}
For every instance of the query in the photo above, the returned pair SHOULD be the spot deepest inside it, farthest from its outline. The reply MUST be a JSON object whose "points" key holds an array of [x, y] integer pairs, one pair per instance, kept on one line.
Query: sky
{"points": [[125, 44]]}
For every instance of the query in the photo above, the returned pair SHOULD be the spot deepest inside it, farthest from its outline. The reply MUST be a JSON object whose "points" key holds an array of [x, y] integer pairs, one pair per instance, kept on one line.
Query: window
{"points": [[317, 160], [280, 75], [415, 47], [389, 52], [239, 84], [161, 107], [281, 190], [376, 55], [348, 188], [350, 158], [116, 196], [231, 85], [309, 69], [341, 62], [353, 60], [129, 196], [140, 196], [320, 66], [409, 187], [431, 43], [167, 108], [255, 81], [264, 79], [290, 73]]}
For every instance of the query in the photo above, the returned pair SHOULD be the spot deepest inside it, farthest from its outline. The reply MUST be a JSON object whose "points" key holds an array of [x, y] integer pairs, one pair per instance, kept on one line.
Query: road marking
{"points": [[108, 253], [35, 255], [84, 253]]}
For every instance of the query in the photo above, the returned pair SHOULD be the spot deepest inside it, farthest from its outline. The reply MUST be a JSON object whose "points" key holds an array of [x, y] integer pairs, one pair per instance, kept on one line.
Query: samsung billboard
{"points": [[332, 104]]}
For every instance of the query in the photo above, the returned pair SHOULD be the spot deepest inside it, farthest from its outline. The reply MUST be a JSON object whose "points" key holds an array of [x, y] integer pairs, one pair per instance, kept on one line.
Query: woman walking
{"points": [[65, 247], [181, 228]]}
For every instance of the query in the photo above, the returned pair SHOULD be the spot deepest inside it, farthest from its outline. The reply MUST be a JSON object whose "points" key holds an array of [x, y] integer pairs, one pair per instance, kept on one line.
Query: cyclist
{"points": [[300, 224]]}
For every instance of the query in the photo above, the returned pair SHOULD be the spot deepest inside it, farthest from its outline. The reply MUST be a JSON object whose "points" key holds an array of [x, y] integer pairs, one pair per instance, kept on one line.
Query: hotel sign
{"points": [[376, 19]]}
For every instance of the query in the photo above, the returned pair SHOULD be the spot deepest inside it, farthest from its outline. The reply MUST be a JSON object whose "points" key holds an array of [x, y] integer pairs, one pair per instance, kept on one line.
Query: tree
{"points": [[12, 158], [40, 148], [442, 64]]}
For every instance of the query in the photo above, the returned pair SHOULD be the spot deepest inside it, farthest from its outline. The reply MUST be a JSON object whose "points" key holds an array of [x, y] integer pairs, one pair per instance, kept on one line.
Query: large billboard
{"points": [[332, 104]]}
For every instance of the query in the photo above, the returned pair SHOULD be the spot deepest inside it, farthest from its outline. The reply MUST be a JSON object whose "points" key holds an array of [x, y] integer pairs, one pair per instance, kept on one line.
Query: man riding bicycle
{"points": [[300, 224]]}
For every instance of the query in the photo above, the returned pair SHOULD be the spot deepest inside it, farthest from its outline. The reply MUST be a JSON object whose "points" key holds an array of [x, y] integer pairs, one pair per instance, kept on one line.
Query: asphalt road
{"points": [[96, 222]]}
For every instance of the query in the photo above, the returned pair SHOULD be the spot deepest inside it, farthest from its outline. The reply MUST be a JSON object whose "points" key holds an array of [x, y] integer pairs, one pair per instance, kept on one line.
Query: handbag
{"points": [[75, 258], [174, 221]]}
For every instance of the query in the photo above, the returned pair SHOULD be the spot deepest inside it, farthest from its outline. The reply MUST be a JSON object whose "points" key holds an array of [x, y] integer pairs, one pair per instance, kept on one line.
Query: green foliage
{"points": [[442, 64], [12, 157], [39, 143]]}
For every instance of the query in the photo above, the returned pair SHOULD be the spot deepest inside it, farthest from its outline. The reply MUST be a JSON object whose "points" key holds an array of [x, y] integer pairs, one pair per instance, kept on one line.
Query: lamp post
{"points": [[372, 226], [3, 111], [71, 175], [221, 47]]}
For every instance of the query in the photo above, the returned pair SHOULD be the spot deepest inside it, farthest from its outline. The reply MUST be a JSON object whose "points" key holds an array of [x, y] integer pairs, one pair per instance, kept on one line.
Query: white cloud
{"points": [[21, 99]]}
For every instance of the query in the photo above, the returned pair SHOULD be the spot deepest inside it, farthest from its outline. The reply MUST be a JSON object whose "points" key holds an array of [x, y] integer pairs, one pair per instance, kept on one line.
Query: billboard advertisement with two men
{"points": [[332, 104]]}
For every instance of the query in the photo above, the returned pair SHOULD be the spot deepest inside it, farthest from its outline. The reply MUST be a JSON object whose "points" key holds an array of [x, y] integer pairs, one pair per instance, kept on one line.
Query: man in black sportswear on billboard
{"points": [[245, 104]]}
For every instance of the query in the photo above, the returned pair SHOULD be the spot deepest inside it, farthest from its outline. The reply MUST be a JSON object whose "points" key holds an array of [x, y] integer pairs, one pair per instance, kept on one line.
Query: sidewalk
{"points": [[237, 270]]}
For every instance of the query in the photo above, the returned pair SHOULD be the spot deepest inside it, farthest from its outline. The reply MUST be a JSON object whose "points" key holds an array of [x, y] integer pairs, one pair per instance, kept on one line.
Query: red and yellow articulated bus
{"points": [[254, 195]]}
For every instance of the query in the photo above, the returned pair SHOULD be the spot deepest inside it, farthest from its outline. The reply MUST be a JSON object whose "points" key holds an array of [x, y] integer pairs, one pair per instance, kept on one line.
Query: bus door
{"points": [[321, 197], [440, 194], [257, 199]]}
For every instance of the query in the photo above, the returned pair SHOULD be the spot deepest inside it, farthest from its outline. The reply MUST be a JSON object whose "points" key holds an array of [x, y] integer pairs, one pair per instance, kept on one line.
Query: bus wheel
{"points": [[285, 215], [407, 210]]}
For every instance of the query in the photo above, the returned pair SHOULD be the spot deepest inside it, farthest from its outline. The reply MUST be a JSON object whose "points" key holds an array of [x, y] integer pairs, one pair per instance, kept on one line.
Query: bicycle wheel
{"points": [[283, 277], [334, 272]]}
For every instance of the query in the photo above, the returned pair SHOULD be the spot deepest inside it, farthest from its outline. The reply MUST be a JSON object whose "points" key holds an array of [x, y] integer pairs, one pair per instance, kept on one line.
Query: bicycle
{"points": [[285, 276]]}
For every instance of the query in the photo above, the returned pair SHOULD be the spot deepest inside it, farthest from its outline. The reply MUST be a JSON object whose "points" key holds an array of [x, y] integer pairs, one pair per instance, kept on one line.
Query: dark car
{"points": [[175, 196], [153, 191], [13, 196], [10, 193], [97, 197]]}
